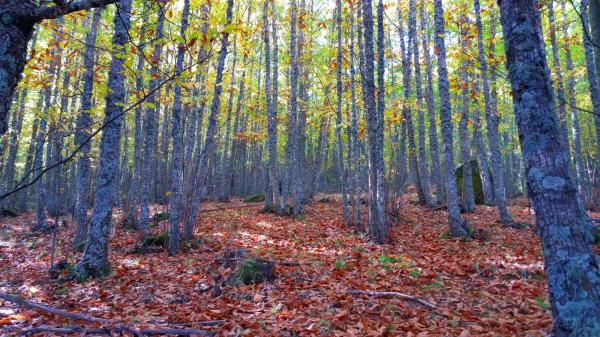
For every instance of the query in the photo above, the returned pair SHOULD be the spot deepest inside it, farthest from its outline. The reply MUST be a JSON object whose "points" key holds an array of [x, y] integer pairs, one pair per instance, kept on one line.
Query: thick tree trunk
{"points": [[563, 225], [15, 32]]}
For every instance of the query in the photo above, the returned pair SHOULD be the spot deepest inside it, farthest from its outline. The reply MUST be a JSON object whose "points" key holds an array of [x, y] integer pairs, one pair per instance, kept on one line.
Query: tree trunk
{"points": [[491, 123], [94, 262], [378, 230], [563, 225], [422, 159], [354, 129], [177, 135], [468, 199], [572, 99], [272, 187], [84, 124], [561, 106], [151, 130], [436, 167], [338, 111], [16, 30], [457, 227]]}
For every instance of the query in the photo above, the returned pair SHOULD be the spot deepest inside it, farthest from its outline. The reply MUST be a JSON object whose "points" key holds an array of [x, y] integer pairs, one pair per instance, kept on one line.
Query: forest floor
{"points": [[479, 287]]}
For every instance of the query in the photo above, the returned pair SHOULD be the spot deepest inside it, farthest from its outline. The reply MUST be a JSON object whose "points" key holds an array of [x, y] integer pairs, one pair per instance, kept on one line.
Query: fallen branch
{"points": [[392, 294], [108, 328], [225, 208], [59, 312], [280, 262], [118, 330]]}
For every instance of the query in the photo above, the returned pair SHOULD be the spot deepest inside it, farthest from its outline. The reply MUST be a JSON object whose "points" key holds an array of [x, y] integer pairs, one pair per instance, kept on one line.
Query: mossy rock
{"points": [[161, 216], [156, 240], [477, 184], [232, 258], [253, 271], [255, 198]]}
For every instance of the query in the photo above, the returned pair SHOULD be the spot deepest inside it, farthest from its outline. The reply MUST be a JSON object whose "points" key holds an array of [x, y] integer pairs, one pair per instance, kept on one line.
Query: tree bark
{"points": [[563, 225], [457, 227], [378, 229], [84, 124], [94, 262], [177, 136], [491, 124]]}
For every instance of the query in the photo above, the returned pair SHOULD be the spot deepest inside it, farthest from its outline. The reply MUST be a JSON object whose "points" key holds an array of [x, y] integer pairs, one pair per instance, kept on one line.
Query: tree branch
{"points": [[62, 7], [392, 294], [108, 325]]}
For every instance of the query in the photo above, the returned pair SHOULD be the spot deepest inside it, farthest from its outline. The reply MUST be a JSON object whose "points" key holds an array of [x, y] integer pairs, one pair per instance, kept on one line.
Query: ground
{"points": [[480, 287]]}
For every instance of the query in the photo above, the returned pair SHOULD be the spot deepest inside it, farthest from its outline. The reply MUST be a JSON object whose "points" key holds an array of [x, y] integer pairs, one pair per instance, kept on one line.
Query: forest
{"points": [[300, 168]]}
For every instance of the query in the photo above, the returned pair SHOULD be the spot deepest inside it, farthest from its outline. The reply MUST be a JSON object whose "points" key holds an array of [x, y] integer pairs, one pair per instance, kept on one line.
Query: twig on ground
{"points": [[108, 326], [280, 262], [55, 311], [118, 329], [393, 294]]}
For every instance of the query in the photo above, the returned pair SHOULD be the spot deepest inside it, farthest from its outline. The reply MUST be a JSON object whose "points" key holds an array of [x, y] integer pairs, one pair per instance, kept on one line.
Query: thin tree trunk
{"points": [[560, 87], [468, 199], [575, 128], [436, 167], [422, 159], [94, 262], [84, 124], [293, 132], [354, 129], [177, 135], [491, 121], [378, 229], [457, 227], [150, 131], [338, 126]]}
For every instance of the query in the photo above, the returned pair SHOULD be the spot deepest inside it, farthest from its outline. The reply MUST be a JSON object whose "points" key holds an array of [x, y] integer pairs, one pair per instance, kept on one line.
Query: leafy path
{"points": [[493, 287]]}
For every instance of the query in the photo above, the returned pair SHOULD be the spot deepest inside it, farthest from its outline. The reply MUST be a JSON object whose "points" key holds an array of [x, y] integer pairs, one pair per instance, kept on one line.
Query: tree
{"points": [[84, 122], [338, 113], [378, 229], [177, 135], [457, 227], [94, 262], [18, 20], [491, 124], [272, 198], [563, 225]]}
